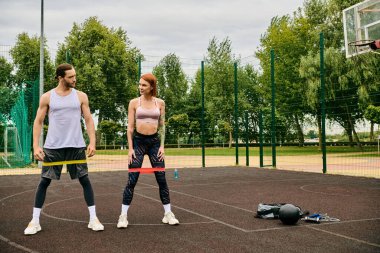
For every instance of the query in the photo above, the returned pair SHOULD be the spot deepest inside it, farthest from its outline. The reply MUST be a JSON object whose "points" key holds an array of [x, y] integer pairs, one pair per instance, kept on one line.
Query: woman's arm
{"points": [[130, 130], [161, 131], [161, 123]]}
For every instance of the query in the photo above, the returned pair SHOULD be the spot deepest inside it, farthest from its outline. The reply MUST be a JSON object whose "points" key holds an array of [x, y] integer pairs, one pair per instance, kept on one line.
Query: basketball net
{"points": [[361, 46]]}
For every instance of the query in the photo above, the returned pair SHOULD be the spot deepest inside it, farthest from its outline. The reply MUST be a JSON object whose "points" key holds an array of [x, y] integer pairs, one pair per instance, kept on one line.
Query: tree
{"points": [[106, 66], [110, 130], [352, 84], [250, 99], [288, 38], [26, 58], [224, 129], [172, 83], [372, 113], [341, 105], [193, 108], [219, 83], [179, 125], [7, 92], [312, 134]]}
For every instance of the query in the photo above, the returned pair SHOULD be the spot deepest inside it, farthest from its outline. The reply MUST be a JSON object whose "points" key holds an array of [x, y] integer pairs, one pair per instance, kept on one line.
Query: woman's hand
{"points": [[131, 156], [161, 153]]}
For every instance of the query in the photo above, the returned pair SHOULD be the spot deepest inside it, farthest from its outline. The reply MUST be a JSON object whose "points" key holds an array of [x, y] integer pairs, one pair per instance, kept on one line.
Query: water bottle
{"points": [[176, 176]]}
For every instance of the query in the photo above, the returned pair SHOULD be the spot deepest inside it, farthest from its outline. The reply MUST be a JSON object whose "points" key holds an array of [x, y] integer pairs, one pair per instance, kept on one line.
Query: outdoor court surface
{"points": [[215, 206]]}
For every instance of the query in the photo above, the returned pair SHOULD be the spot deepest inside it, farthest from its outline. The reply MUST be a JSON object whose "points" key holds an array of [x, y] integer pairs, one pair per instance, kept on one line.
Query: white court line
{"points": [[195, 213], [198, 214], [207, 200], [14, 195], [109, 223], [346, 237], [251, 181], [312, 225], [8, 241], [323, 193], [267, 229], [16, 245]]}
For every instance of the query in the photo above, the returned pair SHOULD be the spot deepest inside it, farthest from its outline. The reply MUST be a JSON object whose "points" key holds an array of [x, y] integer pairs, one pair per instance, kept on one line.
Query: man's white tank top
{"points": [[65, 115]]}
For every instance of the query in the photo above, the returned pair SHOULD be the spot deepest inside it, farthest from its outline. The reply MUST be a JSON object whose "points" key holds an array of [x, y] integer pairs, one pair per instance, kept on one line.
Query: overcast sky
{"points": [[159, 27]]}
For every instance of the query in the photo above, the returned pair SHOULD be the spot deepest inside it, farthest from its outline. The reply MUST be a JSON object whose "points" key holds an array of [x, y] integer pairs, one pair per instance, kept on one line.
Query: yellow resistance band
{"points": [[63, 162]]}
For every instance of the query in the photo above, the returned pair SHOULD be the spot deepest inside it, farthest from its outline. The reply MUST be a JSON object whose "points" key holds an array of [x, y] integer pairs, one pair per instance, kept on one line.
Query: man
{"points": [[64, 142]]}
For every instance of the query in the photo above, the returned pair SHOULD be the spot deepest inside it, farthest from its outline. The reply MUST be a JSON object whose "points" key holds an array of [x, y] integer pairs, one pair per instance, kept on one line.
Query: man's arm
{"points": [[37, 126], [90, 126]]}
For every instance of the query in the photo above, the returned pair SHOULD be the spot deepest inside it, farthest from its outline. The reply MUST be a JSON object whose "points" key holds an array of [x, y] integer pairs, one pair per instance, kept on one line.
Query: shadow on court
{"points": [[215, 206]]}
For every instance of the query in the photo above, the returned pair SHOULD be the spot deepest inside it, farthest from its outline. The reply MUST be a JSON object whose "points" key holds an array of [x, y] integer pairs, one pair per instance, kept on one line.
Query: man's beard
{"points": [[69, 85]]}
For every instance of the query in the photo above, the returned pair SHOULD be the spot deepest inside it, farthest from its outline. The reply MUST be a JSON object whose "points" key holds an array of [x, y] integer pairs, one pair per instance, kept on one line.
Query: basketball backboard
{"points": [[361, 24]]}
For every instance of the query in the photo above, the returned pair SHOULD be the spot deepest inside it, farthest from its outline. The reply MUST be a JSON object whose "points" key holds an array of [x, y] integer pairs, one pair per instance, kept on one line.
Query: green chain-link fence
{"points": [[16, 128]]}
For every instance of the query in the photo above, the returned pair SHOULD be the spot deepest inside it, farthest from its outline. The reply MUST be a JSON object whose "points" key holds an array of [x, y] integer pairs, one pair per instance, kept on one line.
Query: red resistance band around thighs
{"points": [[145, 170]]}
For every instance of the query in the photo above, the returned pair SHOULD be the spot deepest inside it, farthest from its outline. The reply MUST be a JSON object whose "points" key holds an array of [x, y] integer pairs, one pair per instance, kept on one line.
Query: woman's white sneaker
{"points": [[32, 228], [170, 219], [95, 225], [123, 222]]}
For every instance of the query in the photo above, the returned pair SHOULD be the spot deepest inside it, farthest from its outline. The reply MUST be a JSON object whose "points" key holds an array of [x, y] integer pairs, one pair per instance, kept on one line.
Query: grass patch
{"points": [[254, 151]]}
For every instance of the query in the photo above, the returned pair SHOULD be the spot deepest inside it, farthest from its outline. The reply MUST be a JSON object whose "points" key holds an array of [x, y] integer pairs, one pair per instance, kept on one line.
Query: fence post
{"points": [[236, 115], [203, 113], [41, 140], [246, 140], [323, 104], [273, 108], [261, 138]]}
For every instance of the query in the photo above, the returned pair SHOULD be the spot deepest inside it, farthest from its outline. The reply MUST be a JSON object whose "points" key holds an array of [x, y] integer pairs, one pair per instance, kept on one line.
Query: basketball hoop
{"points": [[362, 46]]}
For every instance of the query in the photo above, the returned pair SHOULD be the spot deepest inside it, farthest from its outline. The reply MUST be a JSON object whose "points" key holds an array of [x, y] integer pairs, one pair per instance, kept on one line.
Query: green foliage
{"points": [[288, 37], [285, 131], [312, 134], [224, 129], [8, 99], [179, 124], [172, 83], [219, 80], [193, 108], [372, 113], [220, 83], [6, 76], [7, 93], [26, 58], [110, 130], [106, 66]]}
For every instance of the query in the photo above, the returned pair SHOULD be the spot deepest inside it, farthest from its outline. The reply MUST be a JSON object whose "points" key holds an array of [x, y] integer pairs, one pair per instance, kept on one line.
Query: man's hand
{"points": [[39, 153], [90, 150]]}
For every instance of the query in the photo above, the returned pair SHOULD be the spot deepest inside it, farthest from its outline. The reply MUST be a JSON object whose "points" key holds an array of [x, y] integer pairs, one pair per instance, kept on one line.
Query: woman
{"points": [[146, 121]]}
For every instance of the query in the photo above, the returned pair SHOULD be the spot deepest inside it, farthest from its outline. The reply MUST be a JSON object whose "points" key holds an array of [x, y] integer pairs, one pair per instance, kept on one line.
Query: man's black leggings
{"points": [[45, 182]]}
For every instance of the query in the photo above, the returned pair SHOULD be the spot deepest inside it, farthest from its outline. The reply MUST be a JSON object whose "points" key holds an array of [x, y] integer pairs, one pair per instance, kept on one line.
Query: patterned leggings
{"points": [[146, 145]]}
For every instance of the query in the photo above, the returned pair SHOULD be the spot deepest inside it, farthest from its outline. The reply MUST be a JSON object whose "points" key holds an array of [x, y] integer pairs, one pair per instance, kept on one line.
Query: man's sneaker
{"points": [[170, 219], [123, 222], [95, 225], [32, 228]]}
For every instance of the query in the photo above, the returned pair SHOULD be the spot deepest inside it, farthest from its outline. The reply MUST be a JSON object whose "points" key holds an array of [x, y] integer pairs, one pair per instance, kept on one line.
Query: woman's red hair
{"points": [[152, 80]]}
